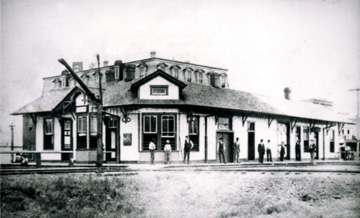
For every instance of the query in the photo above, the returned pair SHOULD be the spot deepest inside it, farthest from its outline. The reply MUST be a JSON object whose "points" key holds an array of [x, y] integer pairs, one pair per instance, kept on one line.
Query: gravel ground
{"points": [[190, 194], [203, 194]]}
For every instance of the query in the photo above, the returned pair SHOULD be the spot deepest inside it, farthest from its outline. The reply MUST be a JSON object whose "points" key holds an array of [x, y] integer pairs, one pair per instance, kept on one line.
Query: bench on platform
{"points": [[38, 155], [353, 155]]}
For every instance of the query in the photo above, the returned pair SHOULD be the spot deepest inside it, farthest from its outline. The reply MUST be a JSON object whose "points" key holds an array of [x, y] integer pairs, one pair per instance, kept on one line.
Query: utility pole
{"points": [[12, 140], [99, 107], [357, 118], [99, 159]]}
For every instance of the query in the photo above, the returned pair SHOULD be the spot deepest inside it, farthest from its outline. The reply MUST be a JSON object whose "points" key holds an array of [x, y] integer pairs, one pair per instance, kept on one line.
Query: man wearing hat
{"points": [[167, 150]]}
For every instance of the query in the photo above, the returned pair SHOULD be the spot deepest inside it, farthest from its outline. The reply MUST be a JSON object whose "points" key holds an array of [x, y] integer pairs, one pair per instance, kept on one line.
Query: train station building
{"points": [[163, 99]]}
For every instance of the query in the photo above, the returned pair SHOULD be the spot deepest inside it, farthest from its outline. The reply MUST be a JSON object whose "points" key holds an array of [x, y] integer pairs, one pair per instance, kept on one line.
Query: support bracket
{"points": [[244, 118]]}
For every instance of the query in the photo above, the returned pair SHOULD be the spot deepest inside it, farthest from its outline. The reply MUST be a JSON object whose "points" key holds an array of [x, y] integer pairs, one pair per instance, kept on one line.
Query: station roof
{"points": [[119, 94]]}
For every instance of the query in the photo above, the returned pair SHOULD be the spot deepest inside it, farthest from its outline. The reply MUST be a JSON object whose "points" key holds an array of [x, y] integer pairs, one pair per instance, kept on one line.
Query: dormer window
{"points": [[162, 66], [142, 69], [175, 71], [159, 90], [199, 76], [188, 74], [223, 81], [57, 83], [85, 78], [96, 76]]}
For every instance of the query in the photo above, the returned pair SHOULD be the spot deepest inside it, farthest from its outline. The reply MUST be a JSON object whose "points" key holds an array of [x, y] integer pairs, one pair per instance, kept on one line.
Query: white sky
{"points": [[311, 46]]}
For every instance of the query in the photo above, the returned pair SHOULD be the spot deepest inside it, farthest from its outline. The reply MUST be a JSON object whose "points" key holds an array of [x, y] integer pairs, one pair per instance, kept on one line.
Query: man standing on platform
{"points": [[261, 150], [187, 148], [298, 150], [221, 150], [268, 152], [237, 150]]}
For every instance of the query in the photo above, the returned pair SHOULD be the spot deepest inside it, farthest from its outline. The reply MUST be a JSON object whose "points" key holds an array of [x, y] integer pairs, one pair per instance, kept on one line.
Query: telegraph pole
{"points": [[99, 106], [12, 140], [357, 118], [99, 159]]}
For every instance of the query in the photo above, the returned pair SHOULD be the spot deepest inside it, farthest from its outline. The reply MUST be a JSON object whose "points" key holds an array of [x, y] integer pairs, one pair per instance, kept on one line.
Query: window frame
{"points": [[306, 138], [117, 73], [165, 87], [48, 136], [80, 133], [93, 131], [229, 123], [332, 141], [158, 133], [194, 136]]}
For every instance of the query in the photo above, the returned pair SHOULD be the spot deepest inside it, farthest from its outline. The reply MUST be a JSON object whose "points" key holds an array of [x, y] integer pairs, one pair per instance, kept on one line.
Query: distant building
{"points": [[167, 100]]}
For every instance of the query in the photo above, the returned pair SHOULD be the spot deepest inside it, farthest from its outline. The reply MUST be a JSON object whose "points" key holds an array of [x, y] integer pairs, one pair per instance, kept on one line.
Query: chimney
{"points": [[77, 66], [152, 54], [130, 72], [287, 92], [106, 63]]}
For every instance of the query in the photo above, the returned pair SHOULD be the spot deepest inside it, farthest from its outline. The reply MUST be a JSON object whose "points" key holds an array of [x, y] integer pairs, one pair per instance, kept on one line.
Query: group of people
{"points": [[221, 149], [188, 145]]}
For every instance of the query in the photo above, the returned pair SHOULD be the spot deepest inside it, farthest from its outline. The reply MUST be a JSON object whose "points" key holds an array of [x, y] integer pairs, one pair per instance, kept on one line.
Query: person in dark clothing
{"points": [[221, 150], [282, 151], [187, 148], [298, 150], [261, 150]]}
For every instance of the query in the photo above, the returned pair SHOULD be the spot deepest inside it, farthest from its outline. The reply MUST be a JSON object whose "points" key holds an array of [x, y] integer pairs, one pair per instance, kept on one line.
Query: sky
{"points": [[311, 46]]}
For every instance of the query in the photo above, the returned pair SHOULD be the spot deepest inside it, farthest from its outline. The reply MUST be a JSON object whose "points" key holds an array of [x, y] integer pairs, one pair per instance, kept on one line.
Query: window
{"points": [[117, 73], [161, 128], [189, 75], [332, 143], [81, 132], [224, 123], [200, 77], [67, 141], [93, 131], [112, 122], [196, 76], [142, 71], [194, 131], [251, 126], [48, 134], [306, 133], [223, 81], [159, 90], [176, 73]]}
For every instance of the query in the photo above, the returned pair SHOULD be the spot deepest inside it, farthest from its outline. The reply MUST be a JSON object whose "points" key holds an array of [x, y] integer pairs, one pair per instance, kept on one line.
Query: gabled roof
{"points": [[49, 101], [161, 73]]}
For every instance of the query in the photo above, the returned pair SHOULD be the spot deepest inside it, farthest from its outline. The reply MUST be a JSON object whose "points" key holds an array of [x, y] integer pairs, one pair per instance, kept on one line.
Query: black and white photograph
{"points": [[180, 109]]}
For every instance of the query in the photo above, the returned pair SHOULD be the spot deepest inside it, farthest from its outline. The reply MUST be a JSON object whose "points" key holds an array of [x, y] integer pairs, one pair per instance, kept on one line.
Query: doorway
{"points": [[112, 139], [67, 142], [283, 130], [317, 145], [251, 141], [228, 140]]}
